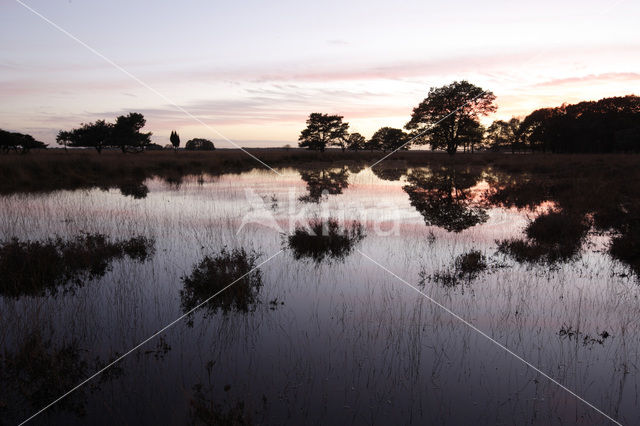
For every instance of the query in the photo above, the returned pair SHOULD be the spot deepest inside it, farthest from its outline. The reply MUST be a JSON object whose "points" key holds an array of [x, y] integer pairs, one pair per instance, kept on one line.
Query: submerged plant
{"points": [[325, 239], [568, 332], [137, 190], [33, 268], [470, 264], [466, 268], [229, 279]]}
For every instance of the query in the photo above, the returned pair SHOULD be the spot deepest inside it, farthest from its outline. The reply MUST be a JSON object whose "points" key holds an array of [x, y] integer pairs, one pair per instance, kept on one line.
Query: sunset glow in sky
{"points": [[255, 70]]}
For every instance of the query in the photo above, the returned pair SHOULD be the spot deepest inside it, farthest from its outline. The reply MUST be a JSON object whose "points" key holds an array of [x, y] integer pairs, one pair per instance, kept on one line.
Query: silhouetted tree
{"points": [[356, 142], [607, 125], [126, 133], [502, 134], [449, 115], [472, 136], [199, 144], [389, 139], [373, 144], [323, 130], [15, 141], [96, 135], [174, 139]]}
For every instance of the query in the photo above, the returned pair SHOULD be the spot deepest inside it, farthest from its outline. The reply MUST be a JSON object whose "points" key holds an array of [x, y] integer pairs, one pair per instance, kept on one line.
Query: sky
{"points": [[252, 71]]}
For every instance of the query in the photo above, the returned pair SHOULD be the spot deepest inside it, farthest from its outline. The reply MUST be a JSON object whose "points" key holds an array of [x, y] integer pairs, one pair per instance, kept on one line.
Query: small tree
{"points": [[323, 130], [175, 140], [389, 139], [199, 144], [356, 141], [448, 113]]}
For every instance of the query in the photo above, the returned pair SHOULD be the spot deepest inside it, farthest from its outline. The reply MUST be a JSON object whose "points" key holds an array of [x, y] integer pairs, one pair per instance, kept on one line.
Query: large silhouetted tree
{"points": [[323, 130], [449, 115]]}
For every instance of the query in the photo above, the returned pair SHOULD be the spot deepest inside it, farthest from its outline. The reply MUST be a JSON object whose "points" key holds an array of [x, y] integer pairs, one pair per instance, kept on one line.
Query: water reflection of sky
{"points": [[350, 343]]}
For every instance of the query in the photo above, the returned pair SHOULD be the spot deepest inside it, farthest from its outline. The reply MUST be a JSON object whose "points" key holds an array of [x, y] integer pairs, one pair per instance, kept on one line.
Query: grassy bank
{"points": [[47, 170]]}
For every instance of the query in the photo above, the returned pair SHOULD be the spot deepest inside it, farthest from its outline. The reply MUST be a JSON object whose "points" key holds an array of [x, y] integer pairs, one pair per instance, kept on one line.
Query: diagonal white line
{"points": [[431, 126], [602, 11], [142, 83], [500, 345], [136, 347]]}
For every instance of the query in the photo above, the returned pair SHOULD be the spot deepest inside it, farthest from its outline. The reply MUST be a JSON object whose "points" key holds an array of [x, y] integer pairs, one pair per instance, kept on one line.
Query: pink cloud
{"points": [[611, 76]]}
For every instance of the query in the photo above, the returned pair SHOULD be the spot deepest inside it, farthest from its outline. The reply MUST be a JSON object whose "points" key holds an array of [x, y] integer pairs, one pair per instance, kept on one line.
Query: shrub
{"points": [[325, 239], [228, 279], [199, 144]]}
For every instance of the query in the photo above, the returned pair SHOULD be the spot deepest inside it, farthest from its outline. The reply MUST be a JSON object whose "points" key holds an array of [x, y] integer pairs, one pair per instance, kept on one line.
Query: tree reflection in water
{"points": [[38, 371], [443, 197], [37, 268], [324, 181], [551, 237]]}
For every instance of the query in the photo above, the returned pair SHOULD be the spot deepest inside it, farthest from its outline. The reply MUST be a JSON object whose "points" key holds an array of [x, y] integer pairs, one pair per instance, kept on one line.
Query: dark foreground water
{"points": [[327, 335]]}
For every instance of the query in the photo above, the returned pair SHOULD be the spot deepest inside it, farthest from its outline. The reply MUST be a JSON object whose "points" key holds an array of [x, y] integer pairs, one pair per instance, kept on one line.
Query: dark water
{"points": [[329, 336]]}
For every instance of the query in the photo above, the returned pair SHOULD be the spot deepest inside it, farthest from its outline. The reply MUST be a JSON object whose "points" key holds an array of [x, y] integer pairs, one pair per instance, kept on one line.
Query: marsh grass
{"points": [[49, 170], [465, 268], [35, 268], [625, 246], [205, 410], [325, 240], [215, 272]]}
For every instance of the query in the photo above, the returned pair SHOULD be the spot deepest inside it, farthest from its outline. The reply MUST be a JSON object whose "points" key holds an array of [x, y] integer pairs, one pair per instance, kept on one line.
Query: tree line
{"points": [[18, 141], [124, 134], [449, 119]]}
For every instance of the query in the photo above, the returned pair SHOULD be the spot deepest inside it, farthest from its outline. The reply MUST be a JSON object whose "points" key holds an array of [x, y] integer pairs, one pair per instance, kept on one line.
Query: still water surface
{"points": [[331, 339]]}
